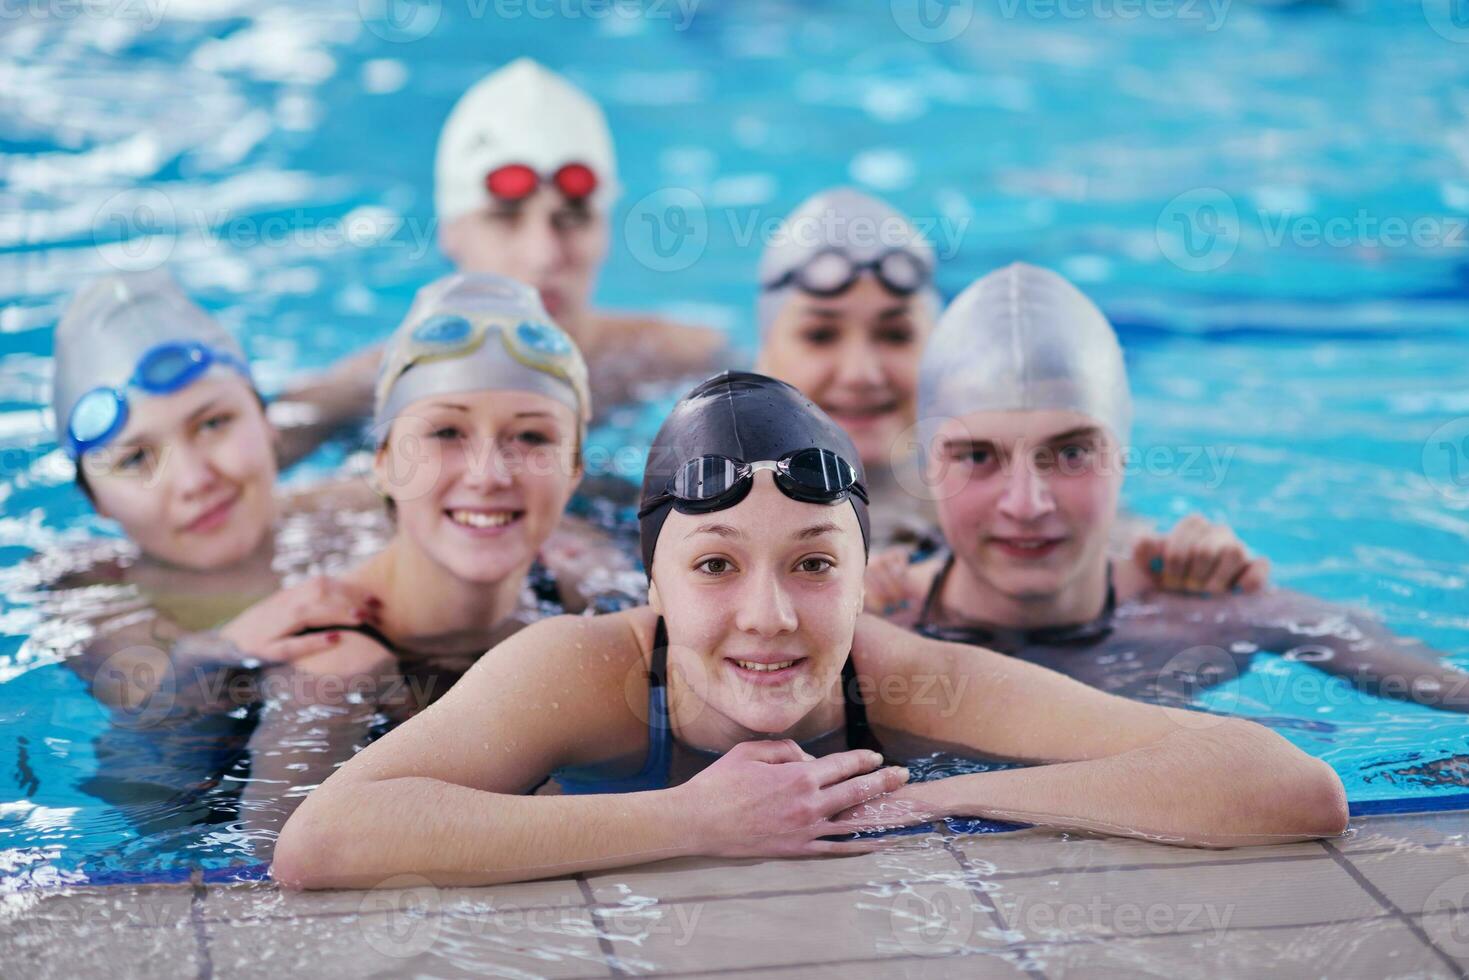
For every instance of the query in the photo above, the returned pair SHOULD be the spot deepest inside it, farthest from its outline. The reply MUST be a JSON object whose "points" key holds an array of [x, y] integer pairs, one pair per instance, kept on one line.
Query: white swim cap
{"points": [[522, 113], [113, 322], [859, 229], [478, 332], [1023, 339]]}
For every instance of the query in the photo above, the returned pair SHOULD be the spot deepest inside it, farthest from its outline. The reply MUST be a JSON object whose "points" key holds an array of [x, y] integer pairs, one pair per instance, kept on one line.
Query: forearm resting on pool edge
{"points": [[1232, 784], [358, 834]]}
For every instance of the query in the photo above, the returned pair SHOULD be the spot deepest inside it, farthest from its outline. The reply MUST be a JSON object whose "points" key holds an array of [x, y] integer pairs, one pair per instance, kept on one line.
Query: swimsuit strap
{"points": [[1013, 640], [859, 732], [925, 615]]}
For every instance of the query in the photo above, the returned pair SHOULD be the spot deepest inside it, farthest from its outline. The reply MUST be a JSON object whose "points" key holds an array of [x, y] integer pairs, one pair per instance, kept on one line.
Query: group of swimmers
{"points": [[806, 574]]}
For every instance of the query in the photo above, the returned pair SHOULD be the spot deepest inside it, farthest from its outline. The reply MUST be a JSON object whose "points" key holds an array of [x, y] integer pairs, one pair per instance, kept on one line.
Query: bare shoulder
{"points": [[568, 654]]}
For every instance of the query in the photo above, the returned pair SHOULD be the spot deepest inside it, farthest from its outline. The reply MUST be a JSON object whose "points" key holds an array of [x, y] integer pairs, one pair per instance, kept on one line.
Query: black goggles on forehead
{"points": [[710, 483], [831, 272]]}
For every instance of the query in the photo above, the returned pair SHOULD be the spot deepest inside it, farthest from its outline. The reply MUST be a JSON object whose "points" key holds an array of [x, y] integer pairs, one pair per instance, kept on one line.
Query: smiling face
{"points": [[1026, 499], [191, 478], [855, 355], [545, 240], [480, 479], [761, 601]]}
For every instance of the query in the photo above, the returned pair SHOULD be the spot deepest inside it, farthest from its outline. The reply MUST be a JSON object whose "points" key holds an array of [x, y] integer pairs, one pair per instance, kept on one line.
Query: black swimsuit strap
{"points": [[658, 669], [982, 635]]}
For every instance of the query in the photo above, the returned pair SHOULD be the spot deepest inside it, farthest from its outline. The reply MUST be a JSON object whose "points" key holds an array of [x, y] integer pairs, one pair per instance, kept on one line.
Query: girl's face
{"points": [[191, 478], [480, 479], [545, 241], [760, 602], [855, 355], [1026, 499]]}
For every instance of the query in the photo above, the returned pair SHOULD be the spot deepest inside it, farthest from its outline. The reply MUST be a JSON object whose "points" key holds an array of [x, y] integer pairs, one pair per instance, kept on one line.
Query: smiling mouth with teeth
{"points": [[482, 519], [752, 665]]}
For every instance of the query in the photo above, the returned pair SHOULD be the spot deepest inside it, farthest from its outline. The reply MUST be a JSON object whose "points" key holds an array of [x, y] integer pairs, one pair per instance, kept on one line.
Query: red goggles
{"points": [[517, 181]]}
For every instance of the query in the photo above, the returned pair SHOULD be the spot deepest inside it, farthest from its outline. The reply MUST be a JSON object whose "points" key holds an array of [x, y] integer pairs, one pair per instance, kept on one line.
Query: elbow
{"points": [[1322, 801]]}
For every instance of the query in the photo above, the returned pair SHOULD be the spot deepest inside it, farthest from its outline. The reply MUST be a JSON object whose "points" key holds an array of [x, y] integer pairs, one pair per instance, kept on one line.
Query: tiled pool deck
{"points": [[1389, 899]]}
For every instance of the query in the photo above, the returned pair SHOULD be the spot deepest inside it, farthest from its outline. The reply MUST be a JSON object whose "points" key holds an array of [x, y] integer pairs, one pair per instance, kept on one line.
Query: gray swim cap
{"points": [[522, 349], [845, 220], [1023, 338], [112, 322]]}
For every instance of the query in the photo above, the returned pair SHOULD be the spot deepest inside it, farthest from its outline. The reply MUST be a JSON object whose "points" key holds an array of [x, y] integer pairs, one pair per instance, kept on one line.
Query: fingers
{"points": [[296, 647], [1148, 556], [842, 766], [1256, 576], [845, 847], [784, 750], [1177, 552], [846, 795]]}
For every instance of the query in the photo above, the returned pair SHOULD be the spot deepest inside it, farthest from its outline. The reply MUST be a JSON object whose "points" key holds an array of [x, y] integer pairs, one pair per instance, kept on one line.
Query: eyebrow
{"points": [[1080, 432], [457, 407], [726, 531], [895, 312], [146, 437]]}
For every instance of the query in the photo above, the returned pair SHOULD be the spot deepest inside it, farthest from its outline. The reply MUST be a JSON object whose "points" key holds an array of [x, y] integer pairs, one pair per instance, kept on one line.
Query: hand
{"points": [[771, 799], [887, 581], [267, 630], [1200, 557]]}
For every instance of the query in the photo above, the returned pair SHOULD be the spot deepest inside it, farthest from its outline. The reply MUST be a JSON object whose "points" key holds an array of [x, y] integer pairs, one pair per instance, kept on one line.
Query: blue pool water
{"points": [[1241, 197]]}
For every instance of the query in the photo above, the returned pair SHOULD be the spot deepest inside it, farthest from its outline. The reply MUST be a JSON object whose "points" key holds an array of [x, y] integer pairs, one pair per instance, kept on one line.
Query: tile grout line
{"points": [[971, 876], [1416, 928], [196, 920], [1023, 947], [590, 903]]}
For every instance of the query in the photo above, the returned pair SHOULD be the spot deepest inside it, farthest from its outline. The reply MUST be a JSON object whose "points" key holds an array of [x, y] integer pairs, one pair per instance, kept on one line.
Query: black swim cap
{"points": [[747, 417]]}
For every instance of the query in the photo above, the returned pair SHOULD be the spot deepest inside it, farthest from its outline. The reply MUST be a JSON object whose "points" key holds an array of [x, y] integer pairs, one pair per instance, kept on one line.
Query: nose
{"points": [[859, 366], [490, 470], [190, 473], [765, 608], [1027, 494], [540, 246]]}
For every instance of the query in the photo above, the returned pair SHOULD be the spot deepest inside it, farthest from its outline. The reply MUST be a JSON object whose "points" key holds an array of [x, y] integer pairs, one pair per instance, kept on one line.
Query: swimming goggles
{"points": [[534, 343], [710, 483], [100, 414], [831, 272], [518, 181]]}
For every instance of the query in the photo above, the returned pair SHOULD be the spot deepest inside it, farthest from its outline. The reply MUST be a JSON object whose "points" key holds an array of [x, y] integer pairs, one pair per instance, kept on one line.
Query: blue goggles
{"points": [[100, 414]]}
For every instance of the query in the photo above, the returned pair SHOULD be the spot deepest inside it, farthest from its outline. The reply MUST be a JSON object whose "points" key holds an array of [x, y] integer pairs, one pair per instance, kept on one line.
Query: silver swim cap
{"points": [[479, 332], [843, 229], [1023, 339], [109, 327]]}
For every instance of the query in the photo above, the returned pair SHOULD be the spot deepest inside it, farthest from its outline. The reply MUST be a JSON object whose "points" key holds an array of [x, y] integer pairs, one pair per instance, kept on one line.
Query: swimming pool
{"points": [[1233, 197]]}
